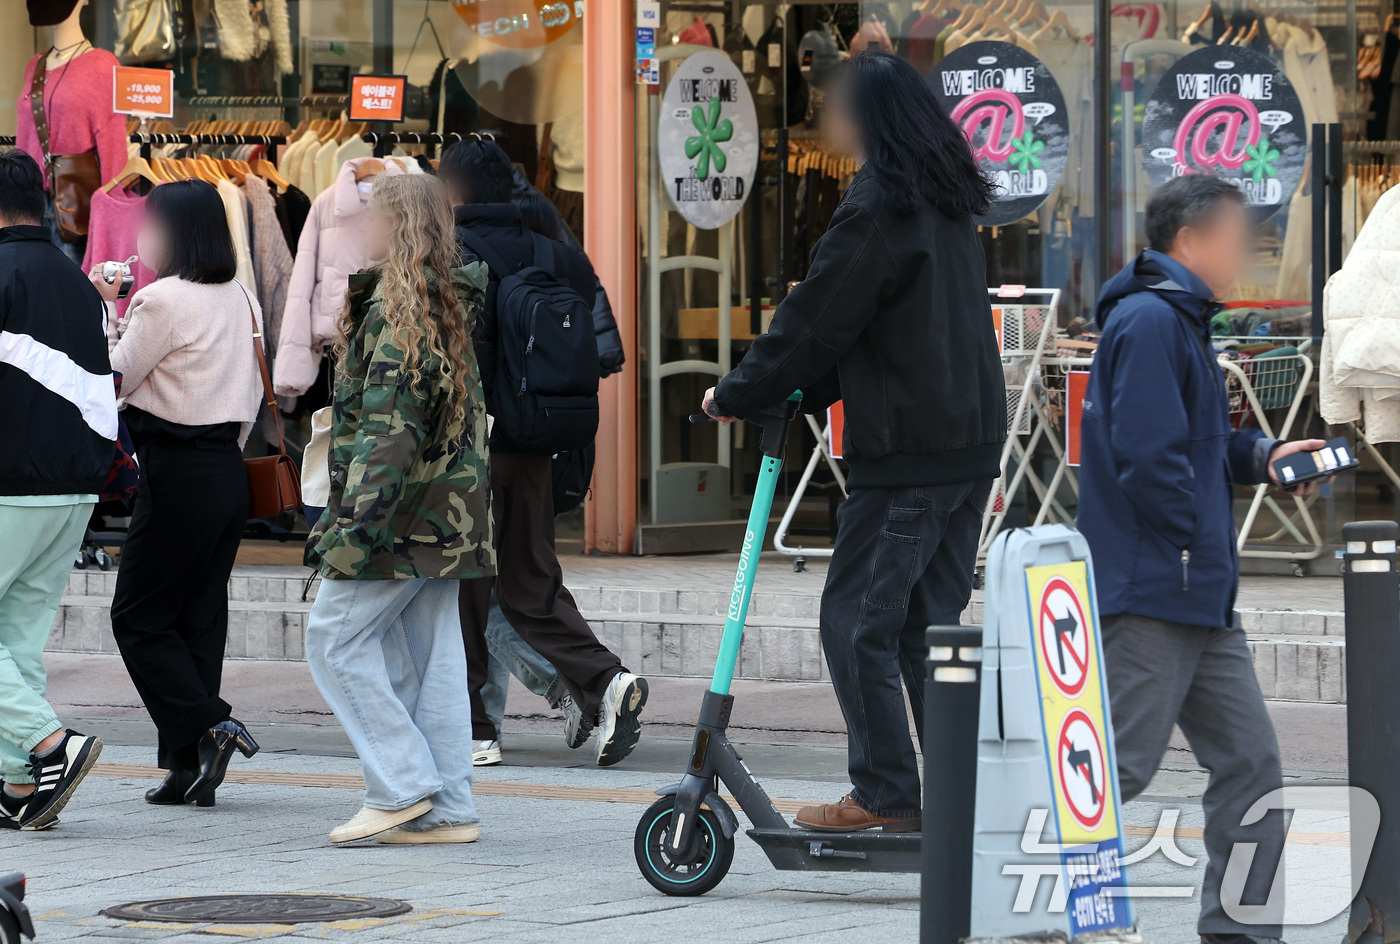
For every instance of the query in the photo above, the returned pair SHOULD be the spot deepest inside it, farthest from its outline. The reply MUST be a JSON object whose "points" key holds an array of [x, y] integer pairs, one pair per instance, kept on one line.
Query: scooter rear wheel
{"points": [[701, 868]]}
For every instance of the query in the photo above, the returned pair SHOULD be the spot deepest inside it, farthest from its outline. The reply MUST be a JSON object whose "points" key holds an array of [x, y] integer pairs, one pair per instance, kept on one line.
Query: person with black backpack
{"points": [[538, 354]]}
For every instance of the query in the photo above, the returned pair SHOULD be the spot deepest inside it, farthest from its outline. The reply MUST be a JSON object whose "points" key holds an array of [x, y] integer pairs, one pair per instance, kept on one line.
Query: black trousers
{"points": [[530, 589], [903, 561], [170, 609]]}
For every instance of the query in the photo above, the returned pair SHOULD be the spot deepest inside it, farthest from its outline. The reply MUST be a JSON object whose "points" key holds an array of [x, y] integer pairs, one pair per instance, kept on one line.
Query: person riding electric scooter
{"points": [[894, 319]]}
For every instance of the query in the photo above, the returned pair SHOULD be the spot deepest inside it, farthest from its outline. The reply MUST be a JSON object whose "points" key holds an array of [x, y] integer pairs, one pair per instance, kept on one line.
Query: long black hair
{"points": [[196, 227], [912, 148]]}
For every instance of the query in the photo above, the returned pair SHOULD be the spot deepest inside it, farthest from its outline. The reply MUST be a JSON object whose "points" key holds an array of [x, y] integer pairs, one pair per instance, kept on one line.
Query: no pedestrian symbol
{"points": [[1083, 775], [1064, 636]]}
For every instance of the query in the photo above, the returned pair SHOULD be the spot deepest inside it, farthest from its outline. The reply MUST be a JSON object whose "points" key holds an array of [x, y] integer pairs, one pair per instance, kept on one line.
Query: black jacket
{"points": [[55, 379], [894, 319], [501, 225]]}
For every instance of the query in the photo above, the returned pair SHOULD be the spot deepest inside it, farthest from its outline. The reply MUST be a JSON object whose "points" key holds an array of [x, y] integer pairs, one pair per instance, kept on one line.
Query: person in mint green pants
{"points": [[57, 386], [41, 543]]}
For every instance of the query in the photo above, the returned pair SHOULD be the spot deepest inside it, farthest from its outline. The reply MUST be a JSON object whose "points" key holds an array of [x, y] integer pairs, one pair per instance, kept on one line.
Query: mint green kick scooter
{"points": [[684, 843]]}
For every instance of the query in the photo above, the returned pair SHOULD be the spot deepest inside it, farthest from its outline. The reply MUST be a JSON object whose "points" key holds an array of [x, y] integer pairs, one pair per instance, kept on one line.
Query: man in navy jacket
{"points": [[1159, 462]]}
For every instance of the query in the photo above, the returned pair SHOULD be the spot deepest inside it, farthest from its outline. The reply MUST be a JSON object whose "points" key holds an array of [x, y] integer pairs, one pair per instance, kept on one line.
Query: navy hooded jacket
{"points": [[1158, 457]]}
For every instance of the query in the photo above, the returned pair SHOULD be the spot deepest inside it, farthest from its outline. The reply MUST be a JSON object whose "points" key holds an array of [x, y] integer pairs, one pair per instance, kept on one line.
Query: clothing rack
{"points": [[325, 103], [1373, 147], [148, 140], [383, 142], [239, 101]]}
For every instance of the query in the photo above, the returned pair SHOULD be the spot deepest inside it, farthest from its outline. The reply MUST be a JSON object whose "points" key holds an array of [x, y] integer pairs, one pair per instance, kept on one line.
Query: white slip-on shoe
{"points": [[486, 753], [467, 832], [619, 718], [368, 822]]}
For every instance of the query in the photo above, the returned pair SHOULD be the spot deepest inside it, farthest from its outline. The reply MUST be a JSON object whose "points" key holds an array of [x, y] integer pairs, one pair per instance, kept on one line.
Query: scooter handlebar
{"points": [[773, 421]]}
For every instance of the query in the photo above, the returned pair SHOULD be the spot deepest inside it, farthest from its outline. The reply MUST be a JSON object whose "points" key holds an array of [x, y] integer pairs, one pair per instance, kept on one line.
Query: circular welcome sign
{"points": [[1010, 108], [707, 139], [1231, 113]]}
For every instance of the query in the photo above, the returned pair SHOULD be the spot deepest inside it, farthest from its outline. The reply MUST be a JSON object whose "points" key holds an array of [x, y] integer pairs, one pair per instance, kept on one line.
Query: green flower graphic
{"points": [[706, 143], [1261, 160], [1024, 150]]}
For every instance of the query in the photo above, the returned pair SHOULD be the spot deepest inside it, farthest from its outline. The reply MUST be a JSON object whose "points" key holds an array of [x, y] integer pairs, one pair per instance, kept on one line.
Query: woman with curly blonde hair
{"points": [[409, 516]]}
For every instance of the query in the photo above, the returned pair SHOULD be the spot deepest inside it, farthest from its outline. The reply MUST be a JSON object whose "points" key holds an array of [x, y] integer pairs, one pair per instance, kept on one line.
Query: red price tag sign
{"points": [[143, 91], [377, 97]]}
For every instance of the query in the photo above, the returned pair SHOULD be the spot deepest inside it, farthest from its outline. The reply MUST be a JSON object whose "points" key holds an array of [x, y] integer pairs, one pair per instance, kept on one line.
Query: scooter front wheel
{"points": [[700, 868]]}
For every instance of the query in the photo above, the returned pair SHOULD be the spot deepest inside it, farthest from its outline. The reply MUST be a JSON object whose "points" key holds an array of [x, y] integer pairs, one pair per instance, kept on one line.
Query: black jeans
{"points": [[170, 607], [903, 561]]}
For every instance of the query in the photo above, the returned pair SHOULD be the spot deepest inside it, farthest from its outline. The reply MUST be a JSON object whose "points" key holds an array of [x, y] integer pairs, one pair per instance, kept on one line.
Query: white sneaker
{"points": [[370, 822], [577, 728], [469, 832], [619, 718], [486, 753]]}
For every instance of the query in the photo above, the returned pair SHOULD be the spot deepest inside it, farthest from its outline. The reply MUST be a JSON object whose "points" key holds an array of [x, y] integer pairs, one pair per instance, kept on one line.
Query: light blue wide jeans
{"points": [[512, 655], [388, 658]]}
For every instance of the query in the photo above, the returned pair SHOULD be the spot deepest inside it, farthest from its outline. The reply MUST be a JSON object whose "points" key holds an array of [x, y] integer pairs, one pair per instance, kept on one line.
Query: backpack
{"points": [[573, 474], [545, 396]]}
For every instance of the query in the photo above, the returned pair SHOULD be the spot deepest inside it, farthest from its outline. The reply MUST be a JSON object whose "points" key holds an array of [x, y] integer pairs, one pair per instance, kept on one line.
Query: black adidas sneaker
{"points": [[57, 774]]}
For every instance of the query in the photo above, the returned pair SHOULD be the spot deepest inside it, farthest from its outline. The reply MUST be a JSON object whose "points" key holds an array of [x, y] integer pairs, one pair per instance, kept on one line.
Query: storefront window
{"points": [[1019, 77], [1041, 232], [263, 88]]}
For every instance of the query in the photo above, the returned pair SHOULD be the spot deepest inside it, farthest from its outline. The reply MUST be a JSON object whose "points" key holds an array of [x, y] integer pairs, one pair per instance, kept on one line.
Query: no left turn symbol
{"points": [[1064, 636], [1083, 775]]}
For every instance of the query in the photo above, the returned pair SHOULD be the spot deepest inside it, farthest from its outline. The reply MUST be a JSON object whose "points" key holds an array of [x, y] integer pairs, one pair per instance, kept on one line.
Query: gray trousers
{"points": [[1162, 673]]}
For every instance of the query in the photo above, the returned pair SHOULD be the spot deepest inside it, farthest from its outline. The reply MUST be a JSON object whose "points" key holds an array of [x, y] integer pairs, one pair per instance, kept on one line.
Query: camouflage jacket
{"points": [[410, 495]]}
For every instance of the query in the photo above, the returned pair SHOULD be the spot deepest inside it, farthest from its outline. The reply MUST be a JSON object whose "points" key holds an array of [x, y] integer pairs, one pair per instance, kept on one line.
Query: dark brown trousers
{"points": [[530, 590]]}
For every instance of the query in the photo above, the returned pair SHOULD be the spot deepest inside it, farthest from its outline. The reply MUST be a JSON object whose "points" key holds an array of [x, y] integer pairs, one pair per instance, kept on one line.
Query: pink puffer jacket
{"points": [[329, 252]]}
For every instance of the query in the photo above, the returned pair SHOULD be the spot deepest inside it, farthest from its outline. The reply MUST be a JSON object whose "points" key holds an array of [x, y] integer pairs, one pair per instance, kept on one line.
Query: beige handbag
{"points": [[145, 30], [316, 461]]}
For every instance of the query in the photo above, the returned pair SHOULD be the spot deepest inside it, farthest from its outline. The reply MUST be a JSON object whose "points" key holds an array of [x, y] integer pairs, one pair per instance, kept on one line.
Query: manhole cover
{"points": [[259, 909]]}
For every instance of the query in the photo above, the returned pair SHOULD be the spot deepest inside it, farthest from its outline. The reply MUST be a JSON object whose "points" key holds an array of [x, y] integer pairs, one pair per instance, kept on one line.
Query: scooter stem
{"points": [[754, 534], [773, 442]]}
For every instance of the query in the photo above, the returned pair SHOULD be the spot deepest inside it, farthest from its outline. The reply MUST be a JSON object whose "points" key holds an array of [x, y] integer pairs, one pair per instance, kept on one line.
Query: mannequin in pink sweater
{"points": [[77, 93]]}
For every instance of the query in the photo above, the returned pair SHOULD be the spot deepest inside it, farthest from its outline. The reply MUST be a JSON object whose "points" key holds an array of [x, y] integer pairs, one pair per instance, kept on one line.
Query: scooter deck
{"points": [[805, 850]]}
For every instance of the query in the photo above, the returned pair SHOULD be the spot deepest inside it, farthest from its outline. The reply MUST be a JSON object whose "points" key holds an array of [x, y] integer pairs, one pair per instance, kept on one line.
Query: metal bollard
{"points": [[1371, 589], [952, 692]]}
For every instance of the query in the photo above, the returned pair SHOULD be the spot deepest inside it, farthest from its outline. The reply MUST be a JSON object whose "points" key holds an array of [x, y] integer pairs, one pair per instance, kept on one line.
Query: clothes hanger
{"points": [[136, 168], [1057, 20], [1036, 14], [371, 167]]}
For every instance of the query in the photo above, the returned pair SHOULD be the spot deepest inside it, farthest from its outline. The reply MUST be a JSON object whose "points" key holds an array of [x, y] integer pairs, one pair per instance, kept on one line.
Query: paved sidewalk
{"points": [[554, 864]]}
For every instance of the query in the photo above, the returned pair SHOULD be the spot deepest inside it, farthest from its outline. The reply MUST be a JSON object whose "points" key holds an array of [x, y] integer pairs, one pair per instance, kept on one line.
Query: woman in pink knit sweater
{"points": [[192, 391]]}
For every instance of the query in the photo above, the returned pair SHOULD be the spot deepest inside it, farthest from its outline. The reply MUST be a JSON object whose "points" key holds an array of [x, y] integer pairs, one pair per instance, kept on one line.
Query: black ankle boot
{"points": [[216, 747], [172, 789]]}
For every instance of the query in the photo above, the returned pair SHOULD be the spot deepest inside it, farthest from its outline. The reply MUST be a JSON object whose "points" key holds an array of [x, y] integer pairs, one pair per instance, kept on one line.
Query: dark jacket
{"points": [[611, 356], [501, 225], [1159, 457], [895, 307], [55, 379]]}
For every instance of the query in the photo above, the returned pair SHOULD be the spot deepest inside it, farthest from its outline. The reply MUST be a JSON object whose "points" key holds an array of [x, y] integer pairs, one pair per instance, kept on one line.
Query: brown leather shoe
{"points": [[848, 816]]}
